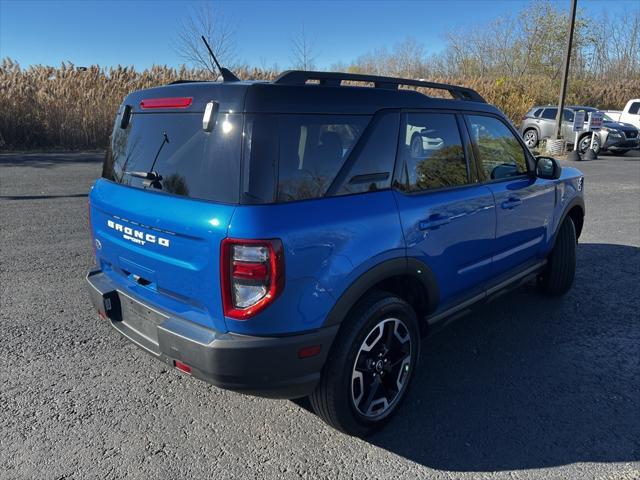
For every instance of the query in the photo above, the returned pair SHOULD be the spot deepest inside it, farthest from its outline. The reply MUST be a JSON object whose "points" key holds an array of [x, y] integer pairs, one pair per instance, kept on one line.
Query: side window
{"points": [[295, 157], [567, 115], [499, 153], [634, 108], [312, 151], [372, 166], [550, 113], [537, 112], [431, 151]]}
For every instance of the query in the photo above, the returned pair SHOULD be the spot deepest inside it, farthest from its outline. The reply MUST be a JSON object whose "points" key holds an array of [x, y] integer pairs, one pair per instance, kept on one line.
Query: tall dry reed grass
{"points": [[68, 108]]}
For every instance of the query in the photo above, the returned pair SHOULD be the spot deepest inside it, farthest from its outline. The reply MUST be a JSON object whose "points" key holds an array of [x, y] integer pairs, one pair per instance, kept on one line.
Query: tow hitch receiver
{"points": [[105, 300]]}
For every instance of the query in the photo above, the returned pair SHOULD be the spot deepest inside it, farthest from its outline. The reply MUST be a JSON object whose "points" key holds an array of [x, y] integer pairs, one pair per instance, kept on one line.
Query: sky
{"points": [[141, 33]]}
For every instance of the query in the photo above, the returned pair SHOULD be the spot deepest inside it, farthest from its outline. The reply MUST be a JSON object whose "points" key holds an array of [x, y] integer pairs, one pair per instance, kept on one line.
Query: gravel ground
{"points": [[524, 387]]}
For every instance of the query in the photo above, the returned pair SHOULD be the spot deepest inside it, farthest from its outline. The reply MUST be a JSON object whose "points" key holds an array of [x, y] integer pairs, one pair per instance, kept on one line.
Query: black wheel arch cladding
{"points": [[396, 268]]}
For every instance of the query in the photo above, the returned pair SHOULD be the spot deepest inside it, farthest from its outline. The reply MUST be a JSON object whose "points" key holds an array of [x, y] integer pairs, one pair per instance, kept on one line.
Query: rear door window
{"points": [[431, 151], [550, 113]]}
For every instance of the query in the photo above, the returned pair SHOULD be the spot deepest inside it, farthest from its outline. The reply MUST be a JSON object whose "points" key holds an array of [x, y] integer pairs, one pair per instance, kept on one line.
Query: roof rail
{"points": [[334, 79], [177, 82]]}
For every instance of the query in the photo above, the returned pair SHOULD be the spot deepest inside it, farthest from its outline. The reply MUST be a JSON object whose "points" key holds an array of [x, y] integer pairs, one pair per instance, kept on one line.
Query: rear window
{"points": [[634, 108], [188, 161], [296, 157]]}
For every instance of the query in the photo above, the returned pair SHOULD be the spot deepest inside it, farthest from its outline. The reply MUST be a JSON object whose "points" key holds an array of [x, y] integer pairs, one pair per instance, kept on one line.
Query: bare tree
{"points": [[303, 53], [219, 31]]}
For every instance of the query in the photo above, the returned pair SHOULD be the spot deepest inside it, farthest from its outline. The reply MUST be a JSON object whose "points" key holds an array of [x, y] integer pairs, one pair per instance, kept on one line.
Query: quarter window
{"points": [[499, 153], [312, 151], [431, 152], [300, 154], [372, 166]]}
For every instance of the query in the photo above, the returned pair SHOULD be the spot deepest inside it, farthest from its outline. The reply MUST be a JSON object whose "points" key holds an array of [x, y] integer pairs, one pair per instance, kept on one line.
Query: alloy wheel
{"points": [[381, 369], [585, 143], [530, 138]]}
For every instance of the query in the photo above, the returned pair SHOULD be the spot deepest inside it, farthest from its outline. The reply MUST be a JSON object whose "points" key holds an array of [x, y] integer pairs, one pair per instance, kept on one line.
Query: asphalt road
{"points": [[525, 387]]}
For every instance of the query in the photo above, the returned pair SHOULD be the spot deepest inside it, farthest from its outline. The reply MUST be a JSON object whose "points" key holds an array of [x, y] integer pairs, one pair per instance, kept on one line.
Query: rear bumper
{"points": [[263, 366]]}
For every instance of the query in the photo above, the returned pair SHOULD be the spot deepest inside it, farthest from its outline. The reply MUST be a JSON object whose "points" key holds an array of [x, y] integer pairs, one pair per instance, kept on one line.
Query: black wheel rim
{"points": [[381, 369]]}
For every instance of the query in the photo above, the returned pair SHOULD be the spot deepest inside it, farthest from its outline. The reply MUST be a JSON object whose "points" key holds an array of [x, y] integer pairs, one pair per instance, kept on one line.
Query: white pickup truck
{"points": [[630, 114]]}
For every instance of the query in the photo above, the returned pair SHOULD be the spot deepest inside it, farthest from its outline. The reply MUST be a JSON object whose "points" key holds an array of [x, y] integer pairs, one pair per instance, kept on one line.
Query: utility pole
{"points": [[565, 68]]}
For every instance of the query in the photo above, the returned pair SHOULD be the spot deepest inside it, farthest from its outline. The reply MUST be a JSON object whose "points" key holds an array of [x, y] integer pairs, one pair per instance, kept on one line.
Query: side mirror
{"points": [[548, 168]]}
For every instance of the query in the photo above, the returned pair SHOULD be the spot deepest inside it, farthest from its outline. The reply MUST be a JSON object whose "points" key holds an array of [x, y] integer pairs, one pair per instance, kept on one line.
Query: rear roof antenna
{"points": [[227, 75]]}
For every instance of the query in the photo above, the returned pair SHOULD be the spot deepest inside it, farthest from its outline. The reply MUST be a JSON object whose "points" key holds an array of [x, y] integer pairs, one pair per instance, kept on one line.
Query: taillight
{"points": [[251, 275], [174, 102]]}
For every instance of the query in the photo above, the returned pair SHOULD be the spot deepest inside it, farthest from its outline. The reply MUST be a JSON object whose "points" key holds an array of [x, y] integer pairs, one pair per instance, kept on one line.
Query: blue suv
{"points": [[299, 237]]}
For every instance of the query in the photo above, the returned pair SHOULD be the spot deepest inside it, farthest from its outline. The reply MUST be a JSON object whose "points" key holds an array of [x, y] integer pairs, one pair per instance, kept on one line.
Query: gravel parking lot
{"points": [[524, 387]]}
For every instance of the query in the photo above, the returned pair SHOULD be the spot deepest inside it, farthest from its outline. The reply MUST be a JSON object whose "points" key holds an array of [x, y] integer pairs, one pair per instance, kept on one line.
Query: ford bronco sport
{"points": [[298, 237]]}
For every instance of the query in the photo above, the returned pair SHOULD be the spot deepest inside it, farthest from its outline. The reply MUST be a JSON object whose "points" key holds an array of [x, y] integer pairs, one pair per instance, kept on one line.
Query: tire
{"points": [[560, 272], [415, 147], [530, 138], [584, 143], [344, 398]]}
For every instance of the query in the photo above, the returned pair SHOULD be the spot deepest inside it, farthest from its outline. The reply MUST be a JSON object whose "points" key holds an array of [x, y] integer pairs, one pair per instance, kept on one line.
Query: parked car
{"points": [[539, 123], [283, 239], [421, 139], [630, 114]]}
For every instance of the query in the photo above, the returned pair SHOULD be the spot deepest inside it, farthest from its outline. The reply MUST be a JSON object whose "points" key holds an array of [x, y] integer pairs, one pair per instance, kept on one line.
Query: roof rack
{"points": [[334, 79], [177, 82]]}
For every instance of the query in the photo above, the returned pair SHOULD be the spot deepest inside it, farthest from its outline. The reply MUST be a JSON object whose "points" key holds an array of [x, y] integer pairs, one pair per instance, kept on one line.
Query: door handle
{"points": [[433, 222], [512, 202]]}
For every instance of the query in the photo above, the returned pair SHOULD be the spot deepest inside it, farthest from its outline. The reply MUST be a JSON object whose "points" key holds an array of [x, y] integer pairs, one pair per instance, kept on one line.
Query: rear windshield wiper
{"points": [[152, 178], [145, 175]]}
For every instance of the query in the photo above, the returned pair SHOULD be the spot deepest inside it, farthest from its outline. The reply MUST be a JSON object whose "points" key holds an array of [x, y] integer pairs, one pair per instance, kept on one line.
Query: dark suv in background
{"points": [[539, 124]]}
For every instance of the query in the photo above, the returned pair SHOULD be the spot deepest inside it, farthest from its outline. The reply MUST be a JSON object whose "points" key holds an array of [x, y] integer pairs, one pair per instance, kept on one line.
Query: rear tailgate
{"points": [[162, 249], [159, 239]]}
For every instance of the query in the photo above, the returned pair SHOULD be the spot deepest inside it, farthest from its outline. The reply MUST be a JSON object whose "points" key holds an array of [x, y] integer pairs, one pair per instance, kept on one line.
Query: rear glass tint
{"points": [[191, 162], [296, 157], [372, 166]]}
